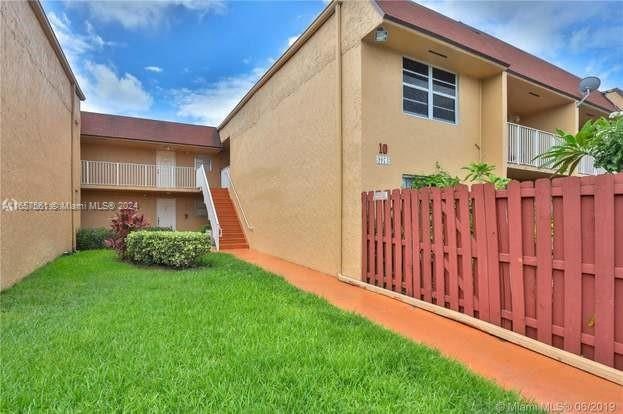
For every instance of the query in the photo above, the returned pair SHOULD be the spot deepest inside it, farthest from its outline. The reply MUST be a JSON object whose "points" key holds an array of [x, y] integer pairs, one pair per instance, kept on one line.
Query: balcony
{"points": [[123, 175], [525, 143]]}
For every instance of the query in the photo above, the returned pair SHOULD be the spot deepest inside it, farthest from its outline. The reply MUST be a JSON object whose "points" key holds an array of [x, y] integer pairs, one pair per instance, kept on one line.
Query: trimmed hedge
{"points": [[167, 248], [89, 239], [157, 229]]}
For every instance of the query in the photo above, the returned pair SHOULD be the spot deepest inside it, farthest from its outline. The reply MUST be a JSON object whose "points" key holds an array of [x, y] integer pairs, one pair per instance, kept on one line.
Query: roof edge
{"points": [[36, 7], [146, 119], [148, 141], [283, 59]]}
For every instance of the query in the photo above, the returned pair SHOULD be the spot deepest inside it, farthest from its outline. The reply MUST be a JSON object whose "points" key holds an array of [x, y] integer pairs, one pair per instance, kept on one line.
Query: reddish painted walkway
{"points": [[535, 376]]}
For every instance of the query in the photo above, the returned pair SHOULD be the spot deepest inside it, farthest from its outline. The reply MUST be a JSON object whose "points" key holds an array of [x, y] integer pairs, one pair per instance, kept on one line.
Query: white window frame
{"points": [[197, 157], [430, 91]]}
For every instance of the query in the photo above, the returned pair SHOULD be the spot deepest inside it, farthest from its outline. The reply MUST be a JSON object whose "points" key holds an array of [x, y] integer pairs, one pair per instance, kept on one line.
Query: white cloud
{"points": [[567, 33], [155, 69], [211, 104], [139, 14], [106, 91], [292, 39]]}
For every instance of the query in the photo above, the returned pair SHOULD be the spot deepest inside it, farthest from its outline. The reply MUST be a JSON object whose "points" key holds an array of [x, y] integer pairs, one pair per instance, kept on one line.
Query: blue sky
{"points": [[192, 60]]}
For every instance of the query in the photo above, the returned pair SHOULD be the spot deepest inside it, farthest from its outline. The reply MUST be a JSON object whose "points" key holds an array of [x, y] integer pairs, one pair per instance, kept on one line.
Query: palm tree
{"points": [[565, 156]]}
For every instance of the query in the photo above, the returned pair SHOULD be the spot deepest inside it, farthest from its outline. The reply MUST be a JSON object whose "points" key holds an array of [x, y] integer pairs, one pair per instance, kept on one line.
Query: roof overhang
{"points": [[422, 45]]}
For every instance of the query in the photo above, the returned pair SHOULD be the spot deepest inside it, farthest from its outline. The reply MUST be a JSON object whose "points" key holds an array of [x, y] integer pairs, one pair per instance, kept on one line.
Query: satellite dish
{"points": [[588, 85]]}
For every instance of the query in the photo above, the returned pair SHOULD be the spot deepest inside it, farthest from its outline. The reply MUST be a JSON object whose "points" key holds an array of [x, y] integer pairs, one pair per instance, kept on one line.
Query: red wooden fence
{"points": [[543, 259]]}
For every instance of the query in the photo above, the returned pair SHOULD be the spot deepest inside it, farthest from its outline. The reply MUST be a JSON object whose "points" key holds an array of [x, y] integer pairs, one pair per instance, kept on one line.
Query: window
{"points": [[407, 180], [200, 208], [427, 91], [205, 161]]}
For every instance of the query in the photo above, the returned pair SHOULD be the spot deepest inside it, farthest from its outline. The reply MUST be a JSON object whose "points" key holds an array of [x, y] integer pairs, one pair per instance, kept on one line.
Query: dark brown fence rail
{"points": [[543, 259]]}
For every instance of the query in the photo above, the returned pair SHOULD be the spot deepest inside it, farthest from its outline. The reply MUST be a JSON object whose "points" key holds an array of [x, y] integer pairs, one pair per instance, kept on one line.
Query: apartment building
{"points": [[371, 94], [39, 143]]}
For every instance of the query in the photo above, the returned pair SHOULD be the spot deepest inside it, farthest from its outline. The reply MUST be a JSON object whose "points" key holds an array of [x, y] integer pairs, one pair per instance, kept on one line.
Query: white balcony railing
{"points": [[125, 174], [525, 144], [586, 167]]}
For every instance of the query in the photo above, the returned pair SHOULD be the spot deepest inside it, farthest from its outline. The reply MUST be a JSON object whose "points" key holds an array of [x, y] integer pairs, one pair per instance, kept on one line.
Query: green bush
{"points": [[88, 239], [167, 248], [157, 229]]}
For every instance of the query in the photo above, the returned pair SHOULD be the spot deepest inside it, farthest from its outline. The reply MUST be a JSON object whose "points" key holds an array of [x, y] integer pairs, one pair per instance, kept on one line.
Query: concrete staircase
{"points": [[233, 236]]}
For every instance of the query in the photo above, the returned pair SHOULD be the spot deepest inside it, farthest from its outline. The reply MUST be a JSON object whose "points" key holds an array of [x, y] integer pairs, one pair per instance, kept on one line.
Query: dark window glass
{"points": [[444, 88], [443, 114], [415, 94], [442, 75], [414, 66], [443, 102], [414, 79], [415, 107]]}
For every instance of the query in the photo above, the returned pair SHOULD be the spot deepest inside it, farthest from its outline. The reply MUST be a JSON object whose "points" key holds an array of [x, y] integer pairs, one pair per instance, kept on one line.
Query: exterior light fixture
{"points": [[380, 35]]}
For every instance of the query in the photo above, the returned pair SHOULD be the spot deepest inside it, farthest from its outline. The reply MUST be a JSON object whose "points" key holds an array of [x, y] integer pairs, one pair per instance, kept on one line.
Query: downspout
{"points": [[338, 61], [71, 165]]}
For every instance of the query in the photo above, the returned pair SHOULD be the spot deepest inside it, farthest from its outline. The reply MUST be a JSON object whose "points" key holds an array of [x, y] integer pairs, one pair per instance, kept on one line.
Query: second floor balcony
{"points": [[122, 175], [525, 144]]}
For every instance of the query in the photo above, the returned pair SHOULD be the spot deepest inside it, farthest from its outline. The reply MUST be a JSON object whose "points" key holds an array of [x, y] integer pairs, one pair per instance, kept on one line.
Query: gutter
{"points": [[309, 32], [36, 7]]}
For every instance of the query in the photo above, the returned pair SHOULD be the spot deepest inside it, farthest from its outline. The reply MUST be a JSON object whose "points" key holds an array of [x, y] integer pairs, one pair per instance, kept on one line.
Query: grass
{"points": [[90, 333]]}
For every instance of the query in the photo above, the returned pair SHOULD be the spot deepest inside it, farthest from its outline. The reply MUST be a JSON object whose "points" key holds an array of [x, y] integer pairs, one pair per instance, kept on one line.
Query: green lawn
{"points": [[90, 333]]}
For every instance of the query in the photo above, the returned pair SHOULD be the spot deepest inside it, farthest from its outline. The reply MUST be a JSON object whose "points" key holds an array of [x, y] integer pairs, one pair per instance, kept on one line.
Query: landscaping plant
{"points": [[440, 178], [177, 249], [481, 172], [125, 221], [87, 239], [601, 139]]}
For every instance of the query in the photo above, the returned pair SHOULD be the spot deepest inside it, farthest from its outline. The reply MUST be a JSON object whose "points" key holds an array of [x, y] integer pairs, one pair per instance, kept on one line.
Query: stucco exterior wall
{"points": [[117, 151], [493, 129], [39, 145], [565, 117], [285, 162], [186, 218], [414, 143]]}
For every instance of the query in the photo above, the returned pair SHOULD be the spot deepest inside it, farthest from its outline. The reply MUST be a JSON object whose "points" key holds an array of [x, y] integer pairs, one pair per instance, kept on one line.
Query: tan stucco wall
{"points": [[283, 149], [117, 151], [494, 132], [36, 142], [414, 143], [565, 117], [186, 213]]}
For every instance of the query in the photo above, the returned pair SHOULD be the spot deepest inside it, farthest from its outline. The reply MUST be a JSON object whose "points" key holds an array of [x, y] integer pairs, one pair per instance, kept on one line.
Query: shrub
{"points": [[440, 178], [167, 248], [88, 239], [126, 221], [157, 229]]}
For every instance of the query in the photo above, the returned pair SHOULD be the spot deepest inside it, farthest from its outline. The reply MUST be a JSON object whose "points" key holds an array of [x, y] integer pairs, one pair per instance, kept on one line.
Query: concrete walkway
{"points": [[539, 378]]}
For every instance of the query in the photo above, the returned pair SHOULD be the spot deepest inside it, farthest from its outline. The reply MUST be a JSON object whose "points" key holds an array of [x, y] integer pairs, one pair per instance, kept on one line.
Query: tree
{"points": [[601, 139]]}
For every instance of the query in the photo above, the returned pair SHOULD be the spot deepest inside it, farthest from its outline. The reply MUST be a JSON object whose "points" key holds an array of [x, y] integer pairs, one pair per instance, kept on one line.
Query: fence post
{"points": [[572, 249], [415, 225], [604, 269], [466, 250], [388, 241], [516, 257], [453, 272], [481, 251], [492, 253], [543, 209], [408, 236], [425, 220]]}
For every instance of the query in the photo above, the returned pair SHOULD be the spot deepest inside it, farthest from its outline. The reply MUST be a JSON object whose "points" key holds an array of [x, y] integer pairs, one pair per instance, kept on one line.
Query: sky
{"points": [[192, 60]]}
